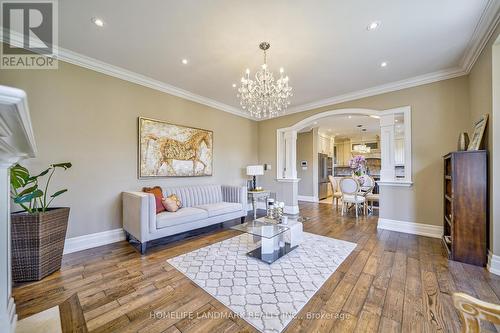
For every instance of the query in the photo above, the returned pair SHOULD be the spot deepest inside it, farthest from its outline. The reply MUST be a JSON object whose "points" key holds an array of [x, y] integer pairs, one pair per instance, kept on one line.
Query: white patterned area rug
{"points": [[266, 296]]}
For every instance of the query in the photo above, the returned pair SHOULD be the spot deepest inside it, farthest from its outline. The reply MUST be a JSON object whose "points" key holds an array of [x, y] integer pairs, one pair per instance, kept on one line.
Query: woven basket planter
{"points": [[37, 243]]}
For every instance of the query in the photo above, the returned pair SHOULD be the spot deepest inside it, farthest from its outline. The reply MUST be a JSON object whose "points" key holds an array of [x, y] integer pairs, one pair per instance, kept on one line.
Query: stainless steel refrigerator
{"points": [[323, 175]]}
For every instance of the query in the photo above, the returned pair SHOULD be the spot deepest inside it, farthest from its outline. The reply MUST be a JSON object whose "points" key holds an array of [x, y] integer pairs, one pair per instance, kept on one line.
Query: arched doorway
{"points": [[286, 165]]}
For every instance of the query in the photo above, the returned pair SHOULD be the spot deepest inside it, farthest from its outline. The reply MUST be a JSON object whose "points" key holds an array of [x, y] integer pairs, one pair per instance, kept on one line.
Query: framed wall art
{"points": [[477, 137], [169, 150]]}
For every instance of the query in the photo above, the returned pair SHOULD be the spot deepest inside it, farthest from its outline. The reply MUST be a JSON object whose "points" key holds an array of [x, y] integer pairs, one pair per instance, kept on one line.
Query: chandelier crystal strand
{"points": [[264, 97]]}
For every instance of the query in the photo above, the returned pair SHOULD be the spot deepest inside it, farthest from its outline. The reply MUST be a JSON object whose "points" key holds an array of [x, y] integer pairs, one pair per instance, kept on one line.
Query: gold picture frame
{"points": [[171, 150], [477, 136]]}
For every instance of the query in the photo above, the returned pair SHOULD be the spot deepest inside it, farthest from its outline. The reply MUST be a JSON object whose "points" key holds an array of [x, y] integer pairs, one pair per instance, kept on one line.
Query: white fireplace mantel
{"points": [[17, 142]]}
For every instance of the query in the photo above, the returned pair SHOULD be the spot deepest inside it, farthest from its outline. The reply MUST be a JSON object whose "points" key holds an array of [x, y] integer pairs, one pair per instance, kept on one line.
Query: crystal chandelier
{"points": [[362, 148], [264, 97]]}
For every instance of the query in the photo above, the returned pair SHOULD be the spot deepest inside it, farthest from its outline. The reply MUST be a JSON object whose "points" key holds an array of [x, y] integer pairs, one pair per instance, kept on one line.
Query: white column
{"points": [[387, 170], [291, 154], [8, 315], [315, 162]]}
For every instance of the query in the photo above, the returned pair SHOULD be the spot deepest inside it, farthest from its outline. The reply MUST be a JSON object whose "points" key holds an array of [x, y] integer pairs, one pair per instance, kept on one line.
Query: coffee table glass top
{"points": [[262, 229]]}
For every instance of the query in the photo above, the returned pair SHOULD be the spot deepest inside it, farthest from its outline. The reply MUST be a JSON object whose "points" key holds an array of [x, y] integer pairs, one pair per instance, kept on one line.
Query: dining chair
{"points": [[350, 194], [472, 310], [370, 197], [337, 195]]}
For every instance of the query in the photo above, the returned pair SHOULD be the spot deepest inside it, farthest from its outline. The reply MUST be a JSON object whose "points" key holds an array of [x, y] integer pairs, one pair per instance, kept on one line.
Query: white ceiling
{"points": [[346, 126], [323, 45]]}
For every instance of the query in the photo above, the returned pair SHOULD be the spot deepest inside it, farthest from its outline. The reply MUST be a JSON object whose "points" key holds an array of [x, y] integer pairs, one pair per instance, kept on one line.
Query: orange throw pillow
{"points": [[158, 193]]}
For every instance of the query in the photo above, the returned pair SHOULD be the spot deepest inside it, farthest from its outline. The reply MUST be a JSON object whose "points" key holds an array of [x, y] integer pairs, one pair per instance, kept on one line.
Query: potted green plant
{"points": [[38, 231]]}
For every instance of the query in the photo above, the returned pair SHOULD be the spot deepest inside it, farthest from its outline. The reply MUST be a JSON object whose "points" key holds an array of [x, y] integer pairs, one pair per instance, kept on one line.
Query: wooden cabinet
{"points": [[466, 206]]}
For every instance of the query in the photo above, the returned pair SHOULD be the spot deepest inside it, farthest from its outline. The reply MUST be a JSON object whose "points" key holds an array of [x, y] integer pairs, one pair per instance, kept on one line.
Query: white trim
{"points": [[130, 76], [381, 89], [493, 263], [485, 27], [395, 183], [93, 240], [288, 180], [308, 198], [482, 33], [413, 228]]}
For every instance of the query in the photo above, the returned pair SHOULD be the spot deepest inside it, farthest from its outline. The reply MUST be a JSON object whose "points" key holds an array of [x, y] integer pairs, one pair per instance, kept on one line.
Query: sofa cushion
{"points": [[193, 196], [183, 215], [221, 208]]}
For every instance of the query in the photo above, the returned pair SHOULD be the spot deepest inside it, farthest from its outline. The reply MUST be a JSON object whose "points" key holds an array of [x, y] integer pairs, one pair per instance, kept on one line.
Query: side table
{"points": [[254, 196]]}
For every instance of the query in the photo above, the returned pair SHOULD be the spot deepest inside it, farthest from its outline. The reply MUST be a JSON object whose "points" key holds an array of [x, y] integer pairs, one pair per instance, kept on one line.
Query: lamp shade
{"points": [[255, 170]]}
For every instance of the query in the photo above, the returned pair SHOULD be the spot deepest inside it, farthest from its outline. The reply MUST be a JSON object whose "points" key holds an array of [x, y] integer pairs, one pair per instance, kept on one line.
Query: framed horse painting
{"points": [[169, 150]]}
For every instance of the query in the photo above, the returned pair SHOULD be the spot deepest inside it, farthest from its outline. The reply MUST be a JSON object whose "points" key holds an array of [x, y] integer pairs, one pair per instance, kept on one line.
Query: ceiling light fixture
{"points": [[234, 85], [374, 116], [184, 61], [373, 26], [349, 117], [97, 21], [362, 148], [264, 96], [383, 64]]}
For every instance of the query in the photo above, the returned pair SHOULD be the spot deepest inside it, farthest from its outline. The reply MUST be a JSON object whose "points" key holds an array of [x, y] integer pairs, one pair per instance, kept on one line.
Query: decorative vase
{"points": [[37, 243], [463, 141]]}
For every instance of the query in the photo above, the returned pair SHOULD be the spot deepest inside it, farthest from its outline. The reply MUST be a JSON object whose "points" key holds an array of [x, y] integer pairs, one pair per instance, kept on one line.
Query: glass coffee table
{"points": [[272, 237]]}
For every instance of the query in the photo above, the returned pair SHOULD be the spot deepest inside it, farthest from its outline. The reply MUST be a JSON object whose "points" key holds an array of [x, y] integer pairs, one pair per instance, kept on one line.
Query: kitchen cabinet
{"points": [[325, 145], [343, 152]]}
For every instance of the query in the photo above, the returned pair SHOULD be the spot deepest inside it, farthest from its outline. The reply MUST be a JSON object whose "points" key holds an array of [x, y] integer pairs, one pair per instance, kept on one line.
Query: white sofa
{"points": [[202, 205]]}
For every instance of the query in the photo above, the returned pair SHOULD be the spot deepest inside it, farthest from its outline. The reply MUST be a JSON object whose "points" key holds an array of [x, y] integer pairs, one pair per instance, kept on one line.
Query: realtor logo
{"points": [[29, 33]]}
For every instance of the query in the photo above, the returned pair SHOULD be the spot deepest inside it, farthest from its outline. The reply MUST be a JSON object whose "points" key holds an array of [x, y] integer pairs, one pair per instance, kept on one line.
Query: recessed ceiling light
{"points": [[373, 26], [349, 117], [234, 85], [315, 123], [383, 64], [97, 21], [374, 116], [184, 61], [396, 120]]}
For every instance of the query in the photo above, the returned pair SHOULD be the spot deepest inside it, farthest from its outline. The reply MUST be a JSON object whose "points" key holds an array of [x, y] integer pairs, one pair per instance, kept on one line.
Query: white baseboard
{"points": [[8, 317], [493, 263], [93, 240], [428, 230], [308, 198]]}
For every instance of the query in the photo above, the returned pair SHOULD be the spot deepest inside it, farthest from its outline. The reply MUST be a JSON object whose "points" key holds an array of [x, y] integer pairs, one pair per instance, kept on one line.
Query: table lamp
{"points": [[255, 170]]}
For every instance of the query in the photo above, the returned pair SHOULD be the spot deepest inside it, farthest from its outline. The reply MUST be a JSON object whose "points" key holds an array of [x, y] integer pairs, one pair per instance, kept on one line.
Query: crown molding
{"points": [[482, 33], [381, 89], [124, 74], [81, 60]]}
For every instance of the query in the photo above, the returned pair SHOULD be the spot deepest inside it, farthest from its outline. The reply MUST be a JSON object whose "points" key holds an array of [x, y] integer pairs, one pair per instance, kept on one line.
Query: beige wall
{"points": [[90, 119], [305, 153], [440, 111], [481, 102]]}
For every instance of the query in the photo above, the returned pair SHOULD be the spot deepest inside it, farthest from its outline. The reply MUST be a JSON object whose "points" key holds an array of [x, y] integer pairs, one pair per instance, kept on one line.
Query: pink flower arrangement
{"points": [[358, 165]]}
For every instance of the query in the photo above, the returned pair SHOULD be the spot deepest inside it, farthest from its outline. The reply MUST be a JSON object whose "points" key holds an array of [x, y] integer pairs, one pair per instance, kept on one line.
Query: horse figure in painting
{"points": [[189, 150]]}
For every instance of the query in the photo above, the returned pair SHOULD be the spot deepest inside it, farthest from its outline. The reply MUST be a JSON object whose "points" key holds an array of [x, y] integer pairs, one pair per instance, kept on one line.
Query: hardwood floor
{"points": [[392, 282]]}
